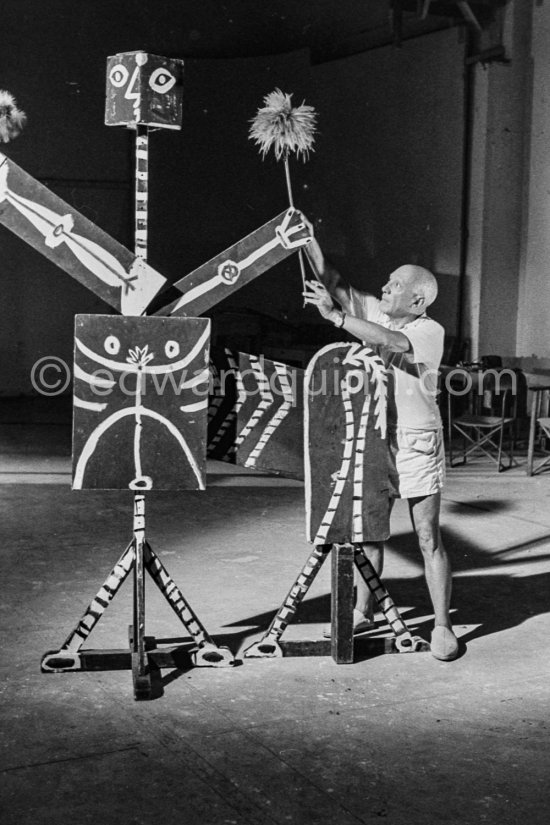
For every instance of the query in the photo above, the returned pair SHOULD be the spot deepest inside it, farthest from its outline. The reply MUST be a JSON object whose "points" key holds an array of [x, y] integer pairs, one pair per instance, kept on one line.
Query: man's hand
{"points": [[313, 250], [318, 295], [325, 272]]}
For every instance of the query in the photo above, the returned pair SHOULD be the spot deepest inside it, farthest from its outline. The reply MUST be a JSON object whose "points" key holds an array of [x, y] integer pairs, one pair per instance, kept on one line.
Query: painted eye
{"points": [[112, 345], [162, 80], [118, 75], [172, 348]]}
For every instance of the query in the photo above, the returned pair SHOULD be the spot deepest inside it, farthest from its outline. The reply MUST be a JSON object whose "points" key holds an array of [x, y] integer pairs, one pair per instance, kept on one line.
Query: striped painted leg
{"points": [[67, 657], [404, 642], [208, 653], [268, 646]]}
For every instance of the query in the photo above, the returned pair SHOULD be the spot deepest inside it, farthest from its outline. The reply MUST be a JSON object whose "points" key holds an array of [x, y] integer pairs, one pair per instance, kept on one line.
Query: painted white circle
{"points": [[118, 75], [172, 348], [112, 345], [162, 80]]}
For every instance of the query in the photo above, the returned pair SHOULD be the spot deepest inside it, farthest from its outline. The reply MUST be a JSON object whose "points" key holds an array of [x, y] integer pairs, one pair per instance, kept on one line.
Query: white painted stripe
{"points": [[197, 291], [373, 364], [201, 378], [258, 253], [90, 378], [241, 395], [95, 258], [216, 280], [277, 419], [119, 366], [328, 518], [224, 426], [307, 460], [214, 404], [265, 403], [88, 405], [93, 439], [358, 475], [200, 405]]}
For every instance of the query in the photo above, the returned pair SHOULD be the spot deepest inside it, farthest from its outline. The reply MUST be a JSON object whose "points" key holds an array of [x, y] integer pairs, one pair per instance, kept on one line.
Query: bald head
{"points": [[408, 293], [421, 281]]}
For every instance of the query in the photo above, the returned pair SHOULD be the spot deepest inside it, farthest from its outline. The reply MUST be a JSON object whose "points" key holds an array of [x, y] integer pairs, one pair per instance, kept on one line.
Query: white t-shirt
{"points": [[412, 398]]}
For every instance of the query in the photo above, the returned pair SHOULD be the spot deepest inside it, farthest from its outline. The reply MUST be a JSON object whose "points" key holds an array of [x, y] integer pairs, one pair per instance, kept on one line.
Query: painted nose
{"points": [[133, 92]]}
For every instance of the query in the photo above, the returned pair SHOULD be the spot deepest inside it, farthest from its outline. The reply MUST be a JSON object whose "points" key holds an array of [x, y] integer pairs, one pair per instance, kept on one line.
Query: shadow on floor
{"points": [[491, 601]]}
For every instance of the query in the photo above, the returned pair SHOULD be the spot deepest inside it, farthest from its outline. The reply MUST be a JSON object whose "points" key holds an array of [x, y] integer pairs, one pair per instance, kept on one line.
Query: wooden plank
{"points": [[346, 462], [75, 244], [140, 403], [175, 657], [341, 611], [305, 647], [364, 647], [239, 264], [179, 656]]}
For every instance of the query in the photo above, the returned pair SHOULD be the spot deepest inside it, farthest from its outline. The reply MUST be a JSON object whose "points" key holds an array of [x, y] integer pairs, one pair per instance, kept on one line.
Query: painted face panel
{"points": [[140, 403], [143, 88]]}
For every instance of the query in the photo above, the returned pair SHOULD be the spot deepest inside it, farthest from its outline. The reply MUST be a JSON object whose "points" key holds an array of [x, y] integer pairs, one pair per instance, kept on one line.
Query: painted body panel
{"points": [[140, 403], [346, 460]]}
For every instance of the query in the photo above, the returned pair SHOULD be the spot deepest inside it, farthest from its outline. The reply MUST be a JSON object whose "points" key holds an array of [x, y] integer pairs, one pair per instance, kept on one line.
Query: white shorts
{"points": [[417, 462]]}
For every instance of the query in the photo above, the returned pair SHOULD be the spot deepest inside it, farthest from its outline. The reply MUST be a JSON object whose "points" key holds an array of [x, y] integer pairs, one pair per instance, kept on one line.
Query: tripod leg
{"points": [[404, 642], [67, 658], [268, 645], [208, 653]]}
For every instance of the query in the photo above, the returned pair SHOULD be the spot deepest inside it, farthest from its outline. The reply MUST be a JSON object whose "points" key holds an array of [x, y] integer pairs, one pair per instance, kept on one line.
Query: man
{"points": [[411, 345]]}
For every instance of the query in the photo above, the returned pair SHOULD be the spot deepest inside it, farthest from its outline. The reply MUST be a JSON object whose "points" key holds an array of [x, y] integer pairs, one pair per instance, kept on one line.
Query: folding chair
{"points": [[539, 427], [486, 423]]}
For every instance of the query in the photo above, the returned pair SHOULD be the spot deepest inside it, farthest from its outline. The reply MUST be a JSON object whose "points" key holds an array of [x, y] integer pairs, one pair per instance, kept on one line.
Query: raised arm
{"points": [[367, 331], [326, 273]]}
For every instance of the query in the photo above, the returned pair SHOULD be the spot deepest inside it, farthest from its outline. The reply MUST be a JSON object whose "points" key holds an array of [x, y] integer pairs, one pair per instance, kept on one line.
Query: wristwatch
{"points": [[340, 323]]}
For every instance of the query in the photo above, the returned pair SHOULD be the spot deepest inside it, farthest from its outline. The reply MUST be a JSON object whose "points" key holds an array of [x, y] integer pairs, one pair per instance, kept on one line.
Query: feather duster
{"points": [[12, 119], [285, 128]]}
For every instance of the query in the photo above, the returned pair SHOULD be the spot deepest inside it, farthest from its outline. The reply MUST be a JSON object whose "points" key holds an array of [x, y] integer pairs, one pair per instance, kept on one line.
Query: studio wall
{"points": [[533, 328]]}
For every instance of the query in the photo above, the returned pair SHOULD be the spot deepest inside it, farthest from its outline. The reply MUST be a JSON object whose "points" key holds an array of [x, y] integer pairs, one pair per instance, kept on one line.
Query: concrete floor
{"points": [[402, 738]]}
